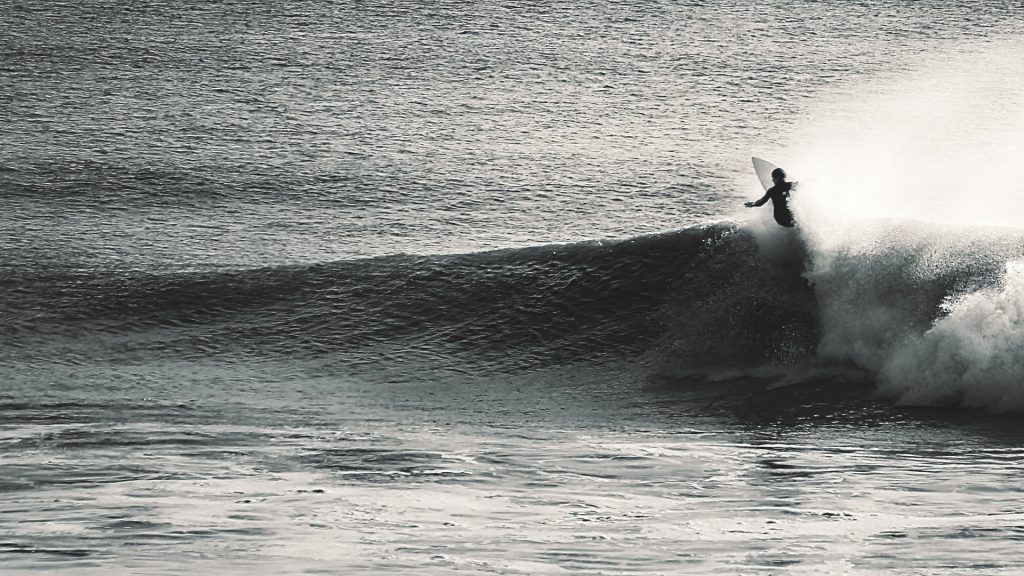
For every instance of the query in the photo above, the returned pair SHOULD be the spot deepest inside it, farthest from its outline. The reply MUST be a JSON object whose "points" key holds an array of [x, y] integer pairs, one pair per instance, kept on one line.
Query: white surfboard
{"points": [[764, 168]]}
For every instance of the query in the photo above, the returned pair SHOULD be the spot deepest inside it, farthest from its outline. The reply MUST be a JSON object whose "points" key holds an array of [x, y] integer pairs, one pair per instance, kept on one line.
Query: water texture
{"points": [[435, 287]]}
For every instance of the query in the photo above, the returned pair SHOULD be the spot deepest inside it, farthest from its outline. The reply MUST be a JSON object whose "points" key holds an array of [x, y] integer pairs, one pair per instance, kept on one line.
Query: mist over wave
{"points": [[910, 205], [928, 308]]}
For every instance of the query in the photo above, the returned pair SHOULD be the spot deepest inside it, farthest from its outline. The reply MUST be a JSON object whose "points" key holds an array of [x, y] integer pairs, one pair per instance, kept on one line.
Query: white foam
{"points": [[973, 356]]}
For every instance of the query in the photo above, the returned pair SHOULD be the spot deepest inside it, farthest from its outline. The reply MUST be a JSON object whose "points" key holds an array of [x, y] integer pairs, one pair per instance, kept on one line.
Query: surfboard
{"points": [[763, 169]]}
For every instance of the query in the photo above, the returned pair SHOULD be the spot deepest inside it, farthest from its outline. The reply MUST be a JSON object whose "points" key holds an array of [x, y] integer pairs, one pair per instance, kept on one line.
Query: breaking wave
{"points": [[934, 313]]}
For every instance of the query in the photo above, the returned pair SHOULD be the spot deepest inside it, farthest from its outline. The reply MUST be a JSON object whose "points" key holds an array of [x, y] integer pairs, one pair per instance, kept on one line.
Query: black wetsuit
{"points": [[779, 195]]}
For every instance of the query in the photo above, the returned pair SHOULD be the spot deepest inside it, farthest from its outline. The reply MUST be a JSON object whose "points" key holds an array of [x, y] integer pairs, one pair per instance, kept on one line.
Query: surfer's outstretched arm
{"points": [[759, 202]]}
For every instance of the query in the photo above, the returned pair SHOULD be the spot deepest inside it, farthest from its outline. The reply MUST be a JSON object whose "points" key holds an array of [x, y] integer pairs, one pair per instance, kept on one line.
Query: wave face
{"points": [[696, 297], [493, 310], [934, 314]]}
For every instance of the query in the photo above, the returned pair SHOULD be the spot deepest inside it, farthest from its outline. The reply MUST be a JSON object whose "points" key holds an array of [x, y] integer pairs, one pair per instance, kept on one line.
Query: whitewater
{"points": [[427, 288]]}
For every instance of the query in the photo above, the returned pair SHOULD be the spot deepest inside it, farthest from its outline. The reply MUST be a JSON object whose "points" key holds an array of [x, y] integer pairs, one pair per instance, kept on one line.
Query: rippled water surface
{"points": [[653, 481], [239, 133], [434, 287]]}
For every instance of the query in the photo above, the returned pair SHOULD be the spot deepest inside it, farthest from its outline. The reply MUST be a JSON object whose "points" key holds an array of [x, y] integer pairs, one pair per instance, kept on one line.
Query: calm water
{"points": [[428, 287]]}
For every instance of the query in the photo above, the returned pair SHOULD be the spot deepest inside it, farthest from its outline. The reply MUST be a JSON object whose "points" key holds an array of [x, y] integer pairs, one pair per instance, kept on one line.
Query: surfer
{"points": [[779, 195]]}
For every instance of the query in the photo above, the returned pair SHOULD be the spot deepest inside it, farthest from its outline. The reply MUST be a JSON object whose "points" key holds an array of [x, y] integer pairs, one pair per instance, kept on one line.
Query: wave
{"points": [[502, 308], [934, 313]]}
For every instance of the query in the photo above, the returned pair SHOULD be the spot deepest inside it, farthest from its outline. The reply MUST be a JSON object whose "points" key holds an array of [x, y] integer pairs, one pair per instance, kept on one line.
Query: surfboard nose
{"points": [[764, 169]]}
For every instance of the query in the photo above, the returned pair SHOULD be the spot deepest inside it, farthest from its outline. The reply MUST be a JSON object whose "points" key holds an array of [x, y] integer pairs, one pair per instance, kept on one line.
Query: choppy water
{"points": [[428, 287]]}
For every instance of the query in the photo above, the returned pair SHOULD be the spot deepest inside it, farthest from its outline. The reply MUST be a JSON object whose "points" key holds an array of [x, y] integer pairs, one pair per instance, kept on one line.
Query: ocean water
{"points": [[429, 287]]}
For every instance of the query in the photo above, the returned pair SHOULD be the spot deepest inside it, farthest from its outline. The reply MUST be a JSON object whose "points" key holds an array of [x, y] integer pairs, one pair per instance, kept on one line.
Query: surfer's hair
{"points": [[779, 173]]}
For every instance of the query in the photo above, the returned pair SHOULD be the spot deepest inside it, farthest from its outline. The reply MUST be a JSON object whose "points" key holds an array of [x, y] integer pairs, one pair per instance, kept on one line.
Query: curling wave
{"points": [[935, 314]]}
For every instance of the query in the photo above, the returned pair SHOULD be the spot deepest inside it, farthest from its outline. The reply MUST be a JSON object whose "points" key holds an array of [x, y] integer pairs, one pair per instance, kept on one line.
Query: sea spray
{"points": [[931, 310], [909, 205], [941, 142]]}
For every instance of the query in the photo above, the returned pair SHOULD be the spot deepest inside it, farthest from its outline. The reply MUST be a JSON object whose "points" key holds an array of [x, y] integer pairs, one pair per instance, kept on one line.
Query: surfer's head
{"points": [[778, 175]]}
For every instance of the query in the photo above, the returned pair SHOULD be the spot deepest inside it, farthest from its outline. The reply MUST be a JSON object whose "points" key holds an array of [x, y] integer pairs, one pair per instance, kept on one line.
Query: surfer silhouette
{"points": [[779, 195]]}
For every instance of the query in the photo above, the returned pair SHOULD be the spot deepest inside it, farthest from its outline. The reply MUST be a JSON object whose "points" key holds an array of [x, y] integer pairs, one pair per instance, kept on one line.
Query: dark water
{"points": [[427, 287]]}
